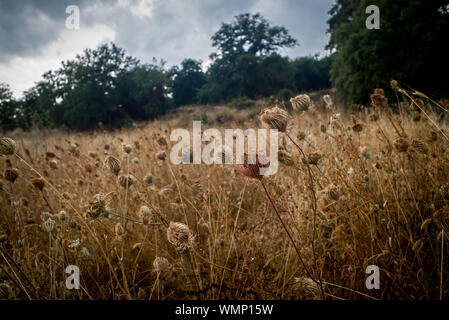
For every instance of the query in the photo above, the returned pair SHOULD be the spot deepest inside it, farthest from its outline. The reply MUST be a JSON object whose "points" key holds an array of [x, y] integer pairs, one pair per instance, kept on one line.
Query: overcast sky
{"points": [[34, 37]]}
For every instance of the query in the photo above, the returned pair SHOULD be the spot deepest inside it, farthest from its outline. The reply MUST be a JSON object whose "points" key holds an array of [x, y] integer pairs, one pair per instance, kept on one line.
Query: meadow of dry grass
{"points": [[382, 198]]}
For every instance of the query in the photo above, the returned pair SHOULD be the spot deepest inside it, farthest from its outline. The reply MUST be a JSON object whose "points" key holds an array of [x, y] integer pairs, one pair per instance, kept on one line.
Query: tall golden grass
{"points": [[364, 188]]}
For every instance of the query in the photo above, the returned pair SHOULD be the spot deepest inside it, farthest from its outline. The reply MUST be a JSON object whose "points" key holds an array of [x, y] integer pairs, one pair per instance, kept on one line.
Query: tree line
{"points": [[105, 86]]}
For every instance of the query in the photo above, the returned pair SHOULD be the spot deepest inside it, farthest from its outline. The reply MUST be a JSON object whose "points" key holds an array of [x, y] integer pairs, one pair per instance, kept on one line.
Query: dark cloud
{"points": [[167, 29], [27, 26]]}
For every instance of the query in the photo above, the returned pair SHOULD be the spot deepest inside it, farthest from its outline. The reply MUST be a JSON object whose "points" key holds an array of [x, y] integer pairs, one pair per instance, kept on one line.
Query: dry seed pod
{"points": [[275, 118], [127, 148], [38, 183], [301, 102], [126, 181], [401, 145], [420, 145], [285, 157], [113, 164], [7, 146], [161, 264], [11, 174], [179, 235], [162, 141], [161, 155]]}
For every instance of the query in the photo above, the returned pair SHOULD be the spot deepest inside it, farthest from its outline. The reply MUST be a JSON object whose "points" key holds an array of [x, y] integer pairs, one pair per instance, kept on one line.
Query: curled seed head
{"points": [[126, 181], [378, 99], [313, 158], [38, 183], [301, 102], [62, 215], [401, 145], [162, 141], [161, 264], [7, 146], [11, 174], [285, 157], [113, 164], [421, 146], [54, 164], [275, 118], [161, 155], [179, 235], [357, 127], [98, 206], [127, 148], [149, 179], [48, 225], [394, 84], [144, 212], [307, 286]]}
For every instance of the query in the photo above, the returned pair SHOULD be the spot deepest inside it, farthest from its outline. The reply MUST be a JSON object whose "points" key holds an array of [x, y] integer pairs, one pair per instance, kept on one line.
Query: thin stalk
{"points": [[312, 189], [291, 239]]}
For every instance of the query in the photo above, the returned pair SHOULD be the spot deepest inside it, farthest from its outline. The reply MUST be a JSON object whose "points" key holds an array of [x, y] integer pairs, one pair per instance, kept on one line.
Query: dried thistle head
{"points": [[313, 158], [378, 98], [420, 145], [8, 146], [162, 141], [307, 286], [161, 155], [149, 179], [113, 164], [441, 218], [179, 235], [127, 148], [275, 118], [144, 212], [48, 225], [99, 206], [161, 264], [394, 84], [38, 183], [285, 157], [301, 102], [401, 144], [252, 170], [11, 174], [126, 181], [357, 127], [53, 164], [332, 192]]}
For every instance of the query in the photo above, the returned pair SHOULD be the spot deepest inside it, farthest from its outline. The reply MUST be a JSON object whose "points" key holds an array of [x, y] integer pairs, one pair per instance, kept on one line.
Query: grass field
{"points": [[372, 189]]}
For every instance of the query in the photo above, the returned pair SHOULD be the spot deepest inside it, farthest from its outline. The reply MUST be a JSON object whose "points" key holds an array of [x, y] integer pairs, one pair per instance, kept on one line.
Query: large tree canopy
{"points": [[250, 34], [410, 46]]}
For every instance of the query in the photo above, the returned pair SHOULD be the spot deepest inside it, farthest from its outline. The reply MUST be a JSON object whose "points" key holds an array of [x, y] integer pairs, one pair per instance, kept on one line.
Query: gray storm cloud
{"points": [[33, 32]]}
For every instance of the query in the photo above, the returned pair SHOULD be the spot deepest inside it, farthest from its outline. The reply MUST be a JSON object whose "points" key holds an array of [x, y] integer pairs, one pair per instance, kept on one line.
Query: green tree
{"points": [[409, 46], [8, 108], [312, 73], [246, 62], [186, 81]]}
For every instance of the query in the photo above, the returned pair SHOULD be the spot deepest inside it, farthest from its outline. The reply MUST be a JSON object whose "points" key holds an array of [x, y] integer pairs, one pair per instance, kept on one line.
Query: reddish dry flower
{"points": [[251, 168]]}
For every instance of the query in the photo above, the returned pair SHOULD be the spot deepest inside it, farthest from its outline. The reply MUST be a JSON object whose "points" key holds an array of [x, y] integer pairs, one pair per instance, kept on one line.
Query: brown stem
{"points": [[291, 239], [312, 189]]}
